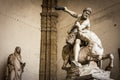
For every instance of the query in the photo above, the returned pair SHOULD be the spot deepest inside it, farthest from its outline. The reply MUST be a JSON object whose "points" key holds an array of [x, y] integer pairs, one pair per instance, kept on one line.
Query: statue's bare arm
{"points": [[72, 13]]}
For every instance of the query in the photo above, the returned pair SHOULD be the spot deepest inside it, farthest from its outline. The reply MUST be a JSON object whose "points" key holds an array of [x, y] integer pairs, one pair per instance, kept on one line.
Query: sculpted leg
{"points": [[110, 66], [65, 63], [12, 75], [76, 49], [97, 59], [111, 58], [100, 64], [66, 55]]}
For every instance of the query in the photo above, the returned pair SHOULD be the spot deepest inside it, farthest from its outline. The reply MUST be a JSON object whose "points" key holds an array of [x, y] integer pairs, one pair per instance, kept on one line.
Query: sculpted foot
{"points": [[76, 63]]}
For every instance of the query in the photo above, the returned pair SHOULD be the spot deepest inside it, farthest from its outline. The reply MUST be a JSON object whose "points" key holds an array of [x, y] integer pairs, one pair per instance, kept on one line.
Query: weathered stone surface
{"points": [[87, 72], [48, 55]]}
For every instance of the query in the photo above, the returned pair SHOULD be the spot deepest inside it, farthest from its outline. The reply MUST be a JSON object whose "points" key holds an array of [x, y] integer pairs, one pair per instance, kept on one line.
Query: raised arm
{"points": [[72, 13]]}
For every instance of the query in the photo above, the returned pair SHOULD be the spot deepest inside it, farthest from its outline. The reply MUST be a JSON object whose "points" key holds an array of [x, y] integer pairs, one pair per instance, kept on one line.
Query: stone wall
{"points": [[20, 26]]}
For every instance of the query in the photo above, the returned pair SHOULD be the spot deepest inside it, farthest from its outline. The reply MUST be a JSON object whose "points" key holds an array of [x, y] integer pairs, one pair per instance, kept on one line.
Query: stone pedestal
{"points": [[87, 72]]}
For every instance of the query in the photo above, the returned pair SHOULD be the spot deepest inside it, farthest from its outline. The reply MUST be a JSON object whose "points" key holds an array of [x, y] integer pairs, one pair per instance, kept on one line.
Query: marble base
{"points": [[87, 72]]}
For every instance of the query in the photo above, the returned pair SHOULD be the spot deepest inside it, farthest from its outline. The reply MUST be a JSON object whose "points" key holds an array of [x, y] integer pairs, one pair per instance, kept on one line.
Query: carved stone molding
{"points": [[48, 54]]}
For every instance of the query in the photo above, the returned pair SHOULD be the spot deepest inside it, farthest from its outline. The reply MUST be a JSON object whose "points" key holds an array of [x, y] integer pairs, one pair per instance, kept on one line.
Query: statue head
{"points": [[86, 13], [88, 9], [18, 50]]}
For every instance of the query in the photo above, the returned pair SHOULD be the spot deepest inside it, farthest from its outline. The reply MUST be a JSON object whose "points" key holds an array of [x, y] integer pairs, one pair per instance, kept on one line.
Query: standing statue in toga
{"points": [[15, 65]]}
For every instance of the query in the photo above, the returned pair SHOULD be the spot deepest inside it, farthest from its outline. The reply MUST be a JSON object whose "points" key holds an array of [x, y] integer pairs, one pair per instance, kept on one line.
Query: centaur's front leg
{"points": [[66, 55], [100, 61], [97, 59], [111, 57]]}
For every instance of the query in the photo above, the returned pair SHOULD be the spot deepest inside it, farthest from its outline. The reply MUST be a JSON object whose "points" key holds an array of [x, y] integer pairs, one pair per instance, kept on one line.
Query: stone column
{"points": [[48, 54]]}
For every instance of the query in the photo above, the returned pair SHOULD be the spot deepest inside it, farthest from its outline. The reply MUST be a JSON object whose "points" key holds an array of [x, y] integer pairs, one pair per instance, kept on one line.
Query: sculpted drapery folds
{"points": [[15, 65]]}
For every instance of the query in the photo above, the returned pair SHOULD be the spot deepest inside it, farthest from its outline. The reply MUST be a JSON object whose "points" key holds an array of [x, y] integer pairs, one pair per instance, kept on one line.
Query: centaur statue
{"points": [[83, 45]]}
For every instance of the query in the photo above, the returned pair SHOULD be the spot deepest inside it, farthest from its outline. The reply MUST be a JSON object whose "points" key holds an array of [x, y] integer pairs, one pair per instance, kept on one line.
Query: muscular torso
{"points": [[84, 24]]}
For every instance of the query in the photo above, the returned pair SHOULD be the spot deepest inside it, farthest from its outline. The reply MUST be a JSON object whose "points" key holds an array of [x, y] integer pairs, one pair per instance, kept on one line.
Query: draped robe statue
{"points": [[15, 65]]}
